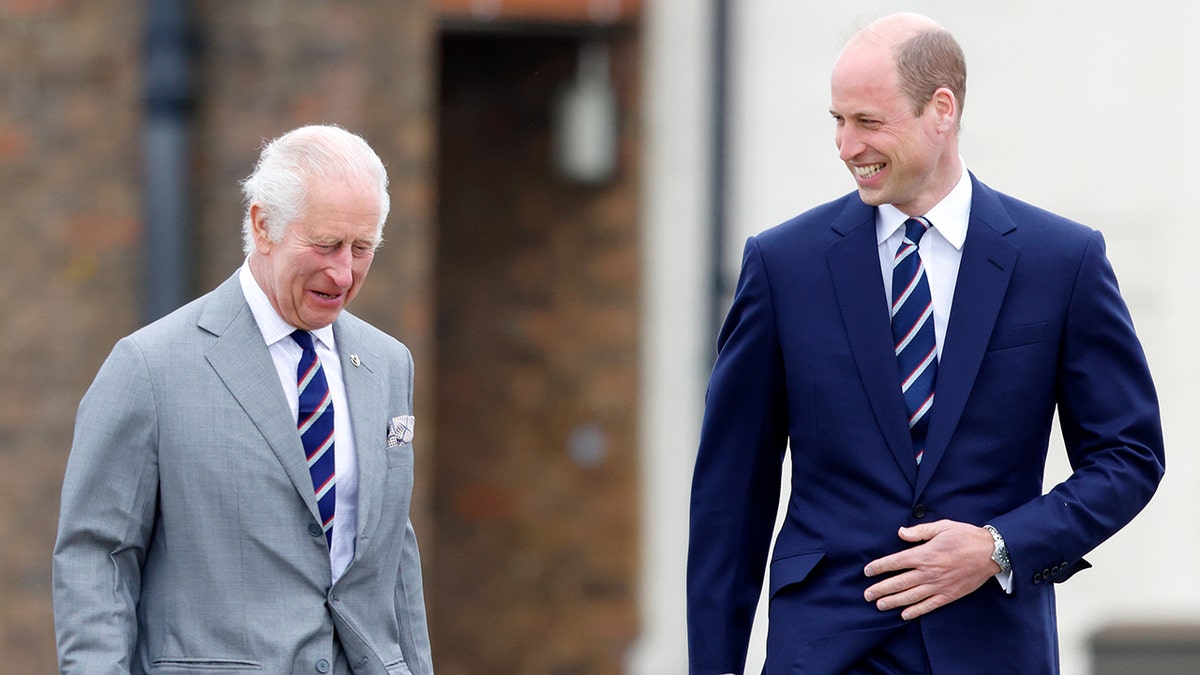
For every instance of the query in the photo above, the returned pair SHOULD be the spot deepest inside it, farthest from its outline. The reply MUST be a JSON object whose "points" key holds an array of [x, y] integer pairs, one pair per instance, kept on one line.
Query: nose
{"points": [[848, 143], [341, 267]]}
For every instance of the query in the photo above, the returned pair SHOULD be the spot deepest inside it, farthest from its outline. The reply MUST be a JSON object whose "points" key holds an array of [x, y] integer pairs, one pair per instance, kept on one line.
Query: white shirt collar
{"points": [[949, 216], [272, 326]]}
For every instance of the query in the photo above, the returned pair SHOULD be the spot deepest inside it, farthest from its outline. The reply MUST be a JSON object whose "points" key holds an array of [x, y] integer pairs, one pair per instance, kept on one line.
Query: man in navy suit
{"points": [[898, 555]]}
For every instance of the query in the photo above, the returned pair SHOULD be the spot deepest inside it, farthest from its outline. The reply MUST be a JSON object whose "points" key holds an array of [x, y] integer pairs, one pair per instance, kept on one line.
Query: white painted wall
{"points": [[675, 354], [1083, 107]]}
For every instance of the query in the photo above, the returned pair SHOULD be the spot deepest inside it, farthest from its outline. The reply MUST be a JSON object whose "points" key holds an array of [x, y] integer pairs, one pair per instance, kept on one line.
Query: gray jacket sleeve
{"points": [[109, 498]]}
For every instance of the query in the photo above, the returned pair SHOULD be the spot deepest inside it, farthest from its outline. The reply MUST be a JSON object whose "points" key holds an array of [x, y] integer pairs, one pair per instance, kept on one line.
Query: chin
{"points": [[871, 198], [319, 319]]}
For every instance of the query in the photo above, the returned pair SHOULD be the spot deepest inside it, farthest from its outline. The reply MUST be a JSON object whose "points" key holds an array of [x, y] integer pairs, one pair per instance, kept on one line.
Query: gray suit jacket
{"points": [[184, 539]]}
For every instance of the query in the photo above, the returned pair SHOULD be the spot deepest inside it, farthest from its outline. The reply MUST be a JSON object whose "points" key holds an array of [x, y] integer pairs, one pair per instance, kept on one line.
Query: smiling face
{"points": [[318, 265], [896, 156]]}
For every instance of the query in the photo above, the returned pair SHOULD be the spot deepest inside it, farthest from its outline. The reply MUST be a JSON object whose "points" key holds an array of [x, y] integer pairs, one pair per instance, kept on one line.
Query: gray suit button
{"points": [[322, 666], [315, 530]]}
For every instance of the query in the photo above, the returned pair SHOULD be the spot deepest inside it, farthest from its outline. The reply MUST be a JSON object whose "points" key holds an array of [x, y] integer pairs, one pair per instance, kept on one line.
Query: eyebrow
{"points": [[862, 114]]}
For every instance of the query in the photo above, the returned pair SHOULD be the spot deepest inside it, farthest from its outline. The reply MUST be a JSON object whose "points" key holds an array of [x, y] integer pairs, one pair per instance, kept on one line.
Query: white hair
{"points": [[279, 182]]}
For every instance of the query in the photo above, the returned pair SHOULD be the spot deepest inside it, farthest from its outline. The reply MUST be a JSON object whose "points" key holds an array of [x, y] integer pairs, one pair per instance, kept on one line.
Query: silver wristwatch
{"points": [[1000, 554]]}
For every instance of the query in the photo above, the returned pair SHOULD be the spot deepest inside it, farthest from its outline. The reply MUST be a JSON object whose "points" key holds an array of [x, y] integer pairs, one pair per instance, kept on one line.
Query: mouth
{"points": [[327, 296], [868, 171]]}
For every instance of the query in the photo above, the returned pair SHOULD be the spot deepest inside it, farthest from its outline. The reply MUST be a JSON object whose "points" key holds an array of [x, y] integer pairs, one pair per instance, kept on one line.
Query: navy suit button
{"points": [[1037, 578], [322, 666], [314, 529], [919, 511]]}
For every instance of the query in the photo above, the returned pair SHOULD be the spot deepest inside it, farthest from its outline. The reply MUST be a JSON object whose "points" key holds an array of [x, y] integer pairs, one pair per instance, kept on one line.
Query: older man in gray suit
{"points": [[237, 494]]}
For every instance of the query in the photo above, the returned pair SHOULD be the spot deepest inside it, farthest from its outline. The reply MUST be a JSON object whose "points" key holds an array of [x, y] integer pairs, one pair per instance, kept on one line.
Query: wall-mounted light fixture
{"points": [[585, 120]]}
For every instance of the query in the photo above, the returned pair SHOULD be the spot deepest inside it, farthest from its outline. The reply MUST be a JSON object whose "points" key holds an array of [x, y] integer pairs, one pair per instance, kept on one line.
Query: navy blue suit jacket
{"points": [[805, 358]]}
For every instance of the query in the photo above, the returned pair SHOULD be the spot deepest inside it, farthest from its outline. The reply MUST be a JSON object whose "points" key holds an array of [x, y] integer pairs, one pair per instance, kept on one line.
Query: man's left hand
{"points": [[955, 559]]}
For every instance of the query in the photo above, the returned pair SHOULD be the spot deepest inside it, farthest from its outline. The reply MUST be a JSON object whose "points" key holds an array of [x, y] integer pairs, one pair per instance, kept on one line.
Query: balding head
{"points": [[925, 55], [893, 29]]}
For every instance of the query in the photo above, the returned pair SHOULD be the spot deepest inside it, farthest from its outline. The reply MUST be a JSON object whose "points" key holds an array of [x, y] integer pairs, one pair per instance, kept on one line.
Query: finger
{"points": [[895, 562], [888, 563], [875, 592], [904, 559], [922, 608], [908, 598], [922, 532], [892, 586]]}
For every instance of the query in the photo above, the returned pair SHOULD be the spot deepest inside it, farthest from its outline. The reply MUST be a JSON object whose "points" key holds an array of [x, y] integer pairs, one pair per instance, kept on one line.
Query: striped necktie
{"points": [[912, 329], [315, 424]]}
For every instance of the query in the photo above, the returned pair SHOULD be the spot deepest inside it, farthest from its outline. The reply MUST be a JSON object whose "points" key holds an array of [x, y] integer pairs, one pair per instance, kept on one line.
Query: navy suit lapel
{"points": [[983, 277], [858, 285]]}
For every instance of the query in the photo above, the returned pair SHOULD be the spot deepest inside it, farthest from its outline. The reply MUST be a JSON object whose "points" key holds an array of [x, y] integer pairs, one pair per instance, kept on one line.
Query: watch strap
{"points": [[1000, 553]]}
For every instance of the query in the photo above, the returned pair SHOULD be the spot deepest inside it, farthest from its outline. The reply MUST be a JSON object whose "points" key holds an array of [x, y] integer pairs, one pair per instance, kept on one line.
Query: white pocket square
{"points": [[400, 430]]}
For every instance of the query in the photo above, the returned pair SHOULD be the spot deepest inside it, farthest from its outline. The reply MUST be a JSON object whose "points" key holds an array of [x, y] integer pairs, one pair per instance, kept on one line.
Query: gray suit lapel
{"points": [[368, 409], [240, 358]]}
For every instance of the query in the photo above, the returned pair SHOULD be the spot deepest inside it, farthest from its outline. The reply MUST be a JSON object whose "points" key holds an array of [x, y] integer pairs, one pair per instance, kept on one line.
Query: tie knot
{"points": [[304, 339], [914, 229]]}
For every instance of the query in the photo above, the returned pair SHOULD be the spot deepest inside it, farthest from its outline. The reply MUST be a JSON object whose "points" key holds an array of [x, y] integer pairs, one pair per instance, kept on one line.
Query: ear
{"points": [[945, 108], [258, 225]]}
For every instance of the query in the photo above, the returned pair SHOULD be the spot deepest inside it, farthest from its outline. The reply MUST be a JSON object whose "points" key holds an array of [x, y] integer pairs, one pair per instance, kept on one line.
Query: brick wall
{"points": [[527, 508], [69, 210], [535, 481]]}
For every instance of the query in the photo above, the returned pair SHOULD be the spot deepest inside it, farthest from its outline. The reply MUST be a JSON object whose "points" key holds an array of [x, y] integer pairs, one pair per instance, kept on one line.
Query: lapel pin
{"points": [[355, 361]]}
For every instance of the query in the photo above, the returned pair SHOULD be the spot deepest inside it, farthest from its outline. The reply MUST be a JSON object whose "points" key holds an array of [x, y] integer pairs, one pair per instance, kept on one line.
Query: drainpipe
{"points": [[719, 287], [166, 157]]}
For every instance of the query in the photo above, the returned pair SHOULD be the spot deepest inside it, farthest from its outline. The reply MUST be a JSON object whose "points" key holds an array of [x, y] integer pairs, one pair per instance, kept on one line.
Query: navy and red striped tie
{"points": [[315, 424], [912, 328]]}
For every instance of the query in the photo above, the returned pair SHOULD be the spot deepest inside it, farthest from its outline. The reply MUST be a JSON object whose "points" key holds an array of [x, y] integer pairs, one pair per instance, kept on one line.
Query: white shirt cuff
{"points": [[1005, 579]]}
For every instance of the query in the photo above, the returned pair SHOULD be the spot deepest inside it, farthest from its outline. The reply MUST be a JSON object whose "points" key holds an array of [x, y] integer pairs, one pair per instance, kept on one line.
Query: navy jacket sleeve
{"points": [[1108, 411], [735, 489]]}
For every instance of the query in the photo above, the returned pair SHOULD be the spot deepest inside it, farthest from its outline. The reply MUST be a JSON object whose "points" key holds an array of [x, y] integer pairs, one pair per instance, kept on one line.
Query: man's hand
{"points": [[955, 559]]}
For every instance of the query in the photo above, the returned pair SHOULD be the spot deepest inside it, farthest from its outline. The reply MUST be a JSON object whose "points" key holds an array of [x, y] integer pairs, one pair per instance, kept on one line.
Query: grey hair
{"points": [[279, 182]]}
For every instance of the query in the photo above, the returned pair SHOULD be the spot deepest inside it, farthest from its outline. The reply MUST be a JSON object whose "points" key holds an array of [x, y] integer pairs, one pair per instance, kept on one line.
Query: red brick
{"points": [[19, 8], [14, 143], [101, 232]]}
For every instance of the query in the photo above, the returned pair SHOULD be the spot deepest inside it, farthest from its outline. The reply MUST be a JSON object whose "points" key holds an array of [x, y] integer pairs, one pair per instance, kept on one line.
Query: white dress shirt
{"points": [[286, 354], [940, 249]]}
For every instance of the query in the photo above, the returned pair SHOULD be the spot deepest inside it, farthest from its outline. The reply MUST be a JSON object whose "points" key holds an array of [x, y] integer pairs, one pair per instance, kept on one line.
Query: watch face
{"points": [[1000, 554]]}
